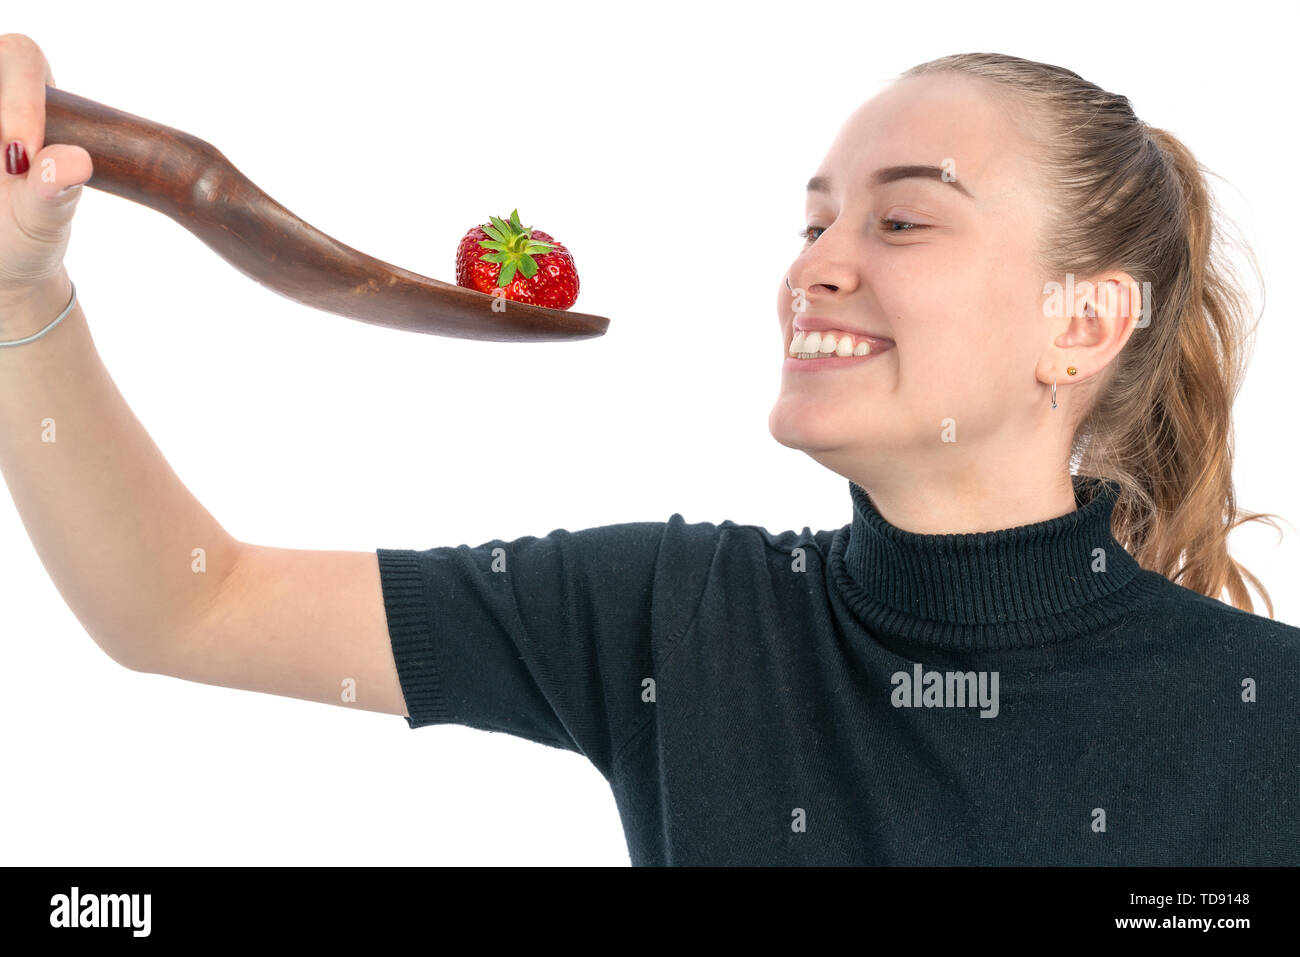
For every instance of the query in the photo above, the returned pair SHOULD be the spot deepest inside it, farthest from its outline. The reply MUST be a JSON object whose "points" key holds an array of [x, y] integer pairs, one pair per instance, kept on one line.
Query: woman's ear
{"points": [[1106, 311]]}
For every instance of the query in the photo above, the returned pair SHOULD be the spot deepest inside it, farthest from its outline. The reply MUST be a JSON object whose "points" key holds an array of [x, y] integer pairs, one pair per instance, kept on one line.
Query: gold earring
{"points": [[1071, 370]]}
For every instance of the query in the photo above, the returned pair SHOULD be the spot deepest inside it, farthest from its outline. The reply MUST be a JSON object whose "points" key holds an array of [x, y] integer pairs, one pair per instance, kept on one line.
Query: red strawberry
{"points": [[525, 265]]}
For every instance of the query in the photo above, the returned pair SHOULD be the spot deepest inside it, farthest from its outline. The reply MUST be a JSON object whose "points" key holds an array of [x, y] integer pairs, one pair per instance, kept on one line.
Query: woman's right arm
{"points": [[118, 532]]}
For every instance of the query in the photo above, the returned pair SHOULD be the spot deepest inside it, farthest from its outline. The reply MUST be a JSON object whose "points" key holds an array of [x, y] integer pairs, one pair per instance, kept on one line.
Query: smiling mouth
{"points": [[835, 344]]}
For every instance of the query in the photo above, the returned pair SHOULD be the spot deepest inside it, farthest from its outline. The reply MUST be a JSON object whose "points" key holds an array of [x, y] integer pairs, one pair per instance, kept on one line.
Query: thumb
{"points": [[46, 199]]}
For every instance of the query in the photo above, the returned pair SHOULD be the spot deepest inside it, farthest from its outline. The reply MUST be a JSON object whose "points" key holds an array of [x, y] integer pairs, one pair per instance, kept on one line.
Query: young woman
{"points": [[1010, 332]]}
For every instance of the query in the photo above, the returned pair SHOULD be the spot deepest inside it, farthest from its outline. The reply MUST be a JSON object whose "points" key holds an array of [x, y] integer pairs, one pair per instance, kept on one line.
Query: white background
{"points": [[685, 131]]}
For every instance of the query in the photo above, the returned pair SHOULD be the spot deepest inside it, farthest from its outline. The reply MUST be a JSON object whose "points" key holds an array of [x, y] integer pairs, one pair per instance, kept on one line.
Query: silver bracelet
{"points": [[63, 315]]}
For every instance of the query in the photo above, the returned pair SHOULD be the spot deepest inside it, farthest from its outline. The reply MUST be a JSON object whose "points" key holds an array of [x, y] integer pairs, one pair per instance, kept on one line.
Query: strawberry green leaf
{"points": [[513, 247]]}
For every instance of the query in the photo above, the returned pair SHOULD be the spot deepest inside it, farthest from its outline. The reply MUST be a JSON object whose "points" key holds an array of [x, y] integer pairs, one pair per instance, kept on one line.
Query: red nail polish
{"points": [[16, 158]]}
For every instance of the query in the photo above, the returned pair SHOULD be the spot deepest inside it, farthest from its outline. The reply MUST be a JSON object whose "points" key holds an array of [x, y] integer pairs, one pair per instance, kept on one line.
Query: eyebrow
{"points": [[889, 174]]}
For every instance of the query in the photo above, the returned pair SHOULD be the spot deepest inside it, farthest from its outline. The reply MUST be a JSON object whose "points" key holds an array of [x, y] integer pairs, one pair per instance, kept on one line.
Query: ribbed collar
{"points": [[1025, 586]]}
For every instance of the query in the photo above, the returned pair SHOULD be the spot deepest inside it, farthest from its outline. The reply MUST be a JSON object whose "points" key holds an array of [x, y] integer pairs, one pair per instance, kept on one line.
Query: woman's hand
{"points": [[40, 185]]}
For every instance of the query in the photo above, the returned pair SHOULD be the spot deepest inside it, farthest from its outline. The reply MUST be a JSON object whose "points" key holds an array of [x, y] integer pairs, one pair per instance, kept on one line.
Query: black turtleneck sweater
{"points": [[867, 695]]}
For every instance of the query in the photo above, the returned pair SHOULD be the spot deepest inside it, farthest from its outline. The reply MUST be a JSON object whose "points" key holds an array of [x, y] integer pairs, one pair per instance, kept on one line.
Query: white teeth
{"points": [[811, 345]]}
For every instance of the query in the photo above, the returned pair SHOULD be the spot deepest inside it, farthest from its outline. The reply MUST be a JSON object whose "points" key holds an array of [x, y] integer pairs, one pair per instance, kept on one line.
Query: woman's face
{"points": [[958, 293]]}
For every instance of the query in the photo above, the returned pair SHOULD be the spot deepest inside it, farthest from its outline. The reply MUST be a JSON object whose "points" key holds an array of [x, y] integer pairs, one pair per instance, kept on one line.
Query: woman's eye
{"points": [[810, 233], [899, 222]]}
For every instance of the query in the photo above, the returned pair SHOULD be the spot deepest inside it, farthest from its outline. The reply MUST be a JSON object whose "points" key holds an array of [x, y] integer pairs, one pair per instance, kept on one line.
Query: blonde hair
{"points": [[1131, 197]]}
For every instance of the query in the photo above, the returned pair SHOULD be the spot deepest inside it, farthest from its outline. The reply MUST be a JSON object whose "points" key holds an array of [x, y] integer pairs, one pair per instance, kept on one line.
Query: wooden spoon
{"points": [[189, 180]]}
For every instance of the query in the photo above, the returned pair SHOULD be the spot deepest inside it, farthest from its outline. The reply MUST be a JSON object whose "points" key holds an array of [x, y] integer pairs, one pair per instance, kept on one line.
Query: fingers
{"points": [[58, 170], [42, 209], [24, 73]]}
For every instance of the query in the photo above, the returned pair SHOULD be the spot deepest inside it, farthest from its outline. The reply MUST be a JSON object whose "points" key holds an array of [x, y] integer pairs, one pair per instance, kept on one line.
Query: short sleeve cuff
{"points": [[405, 604]]}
